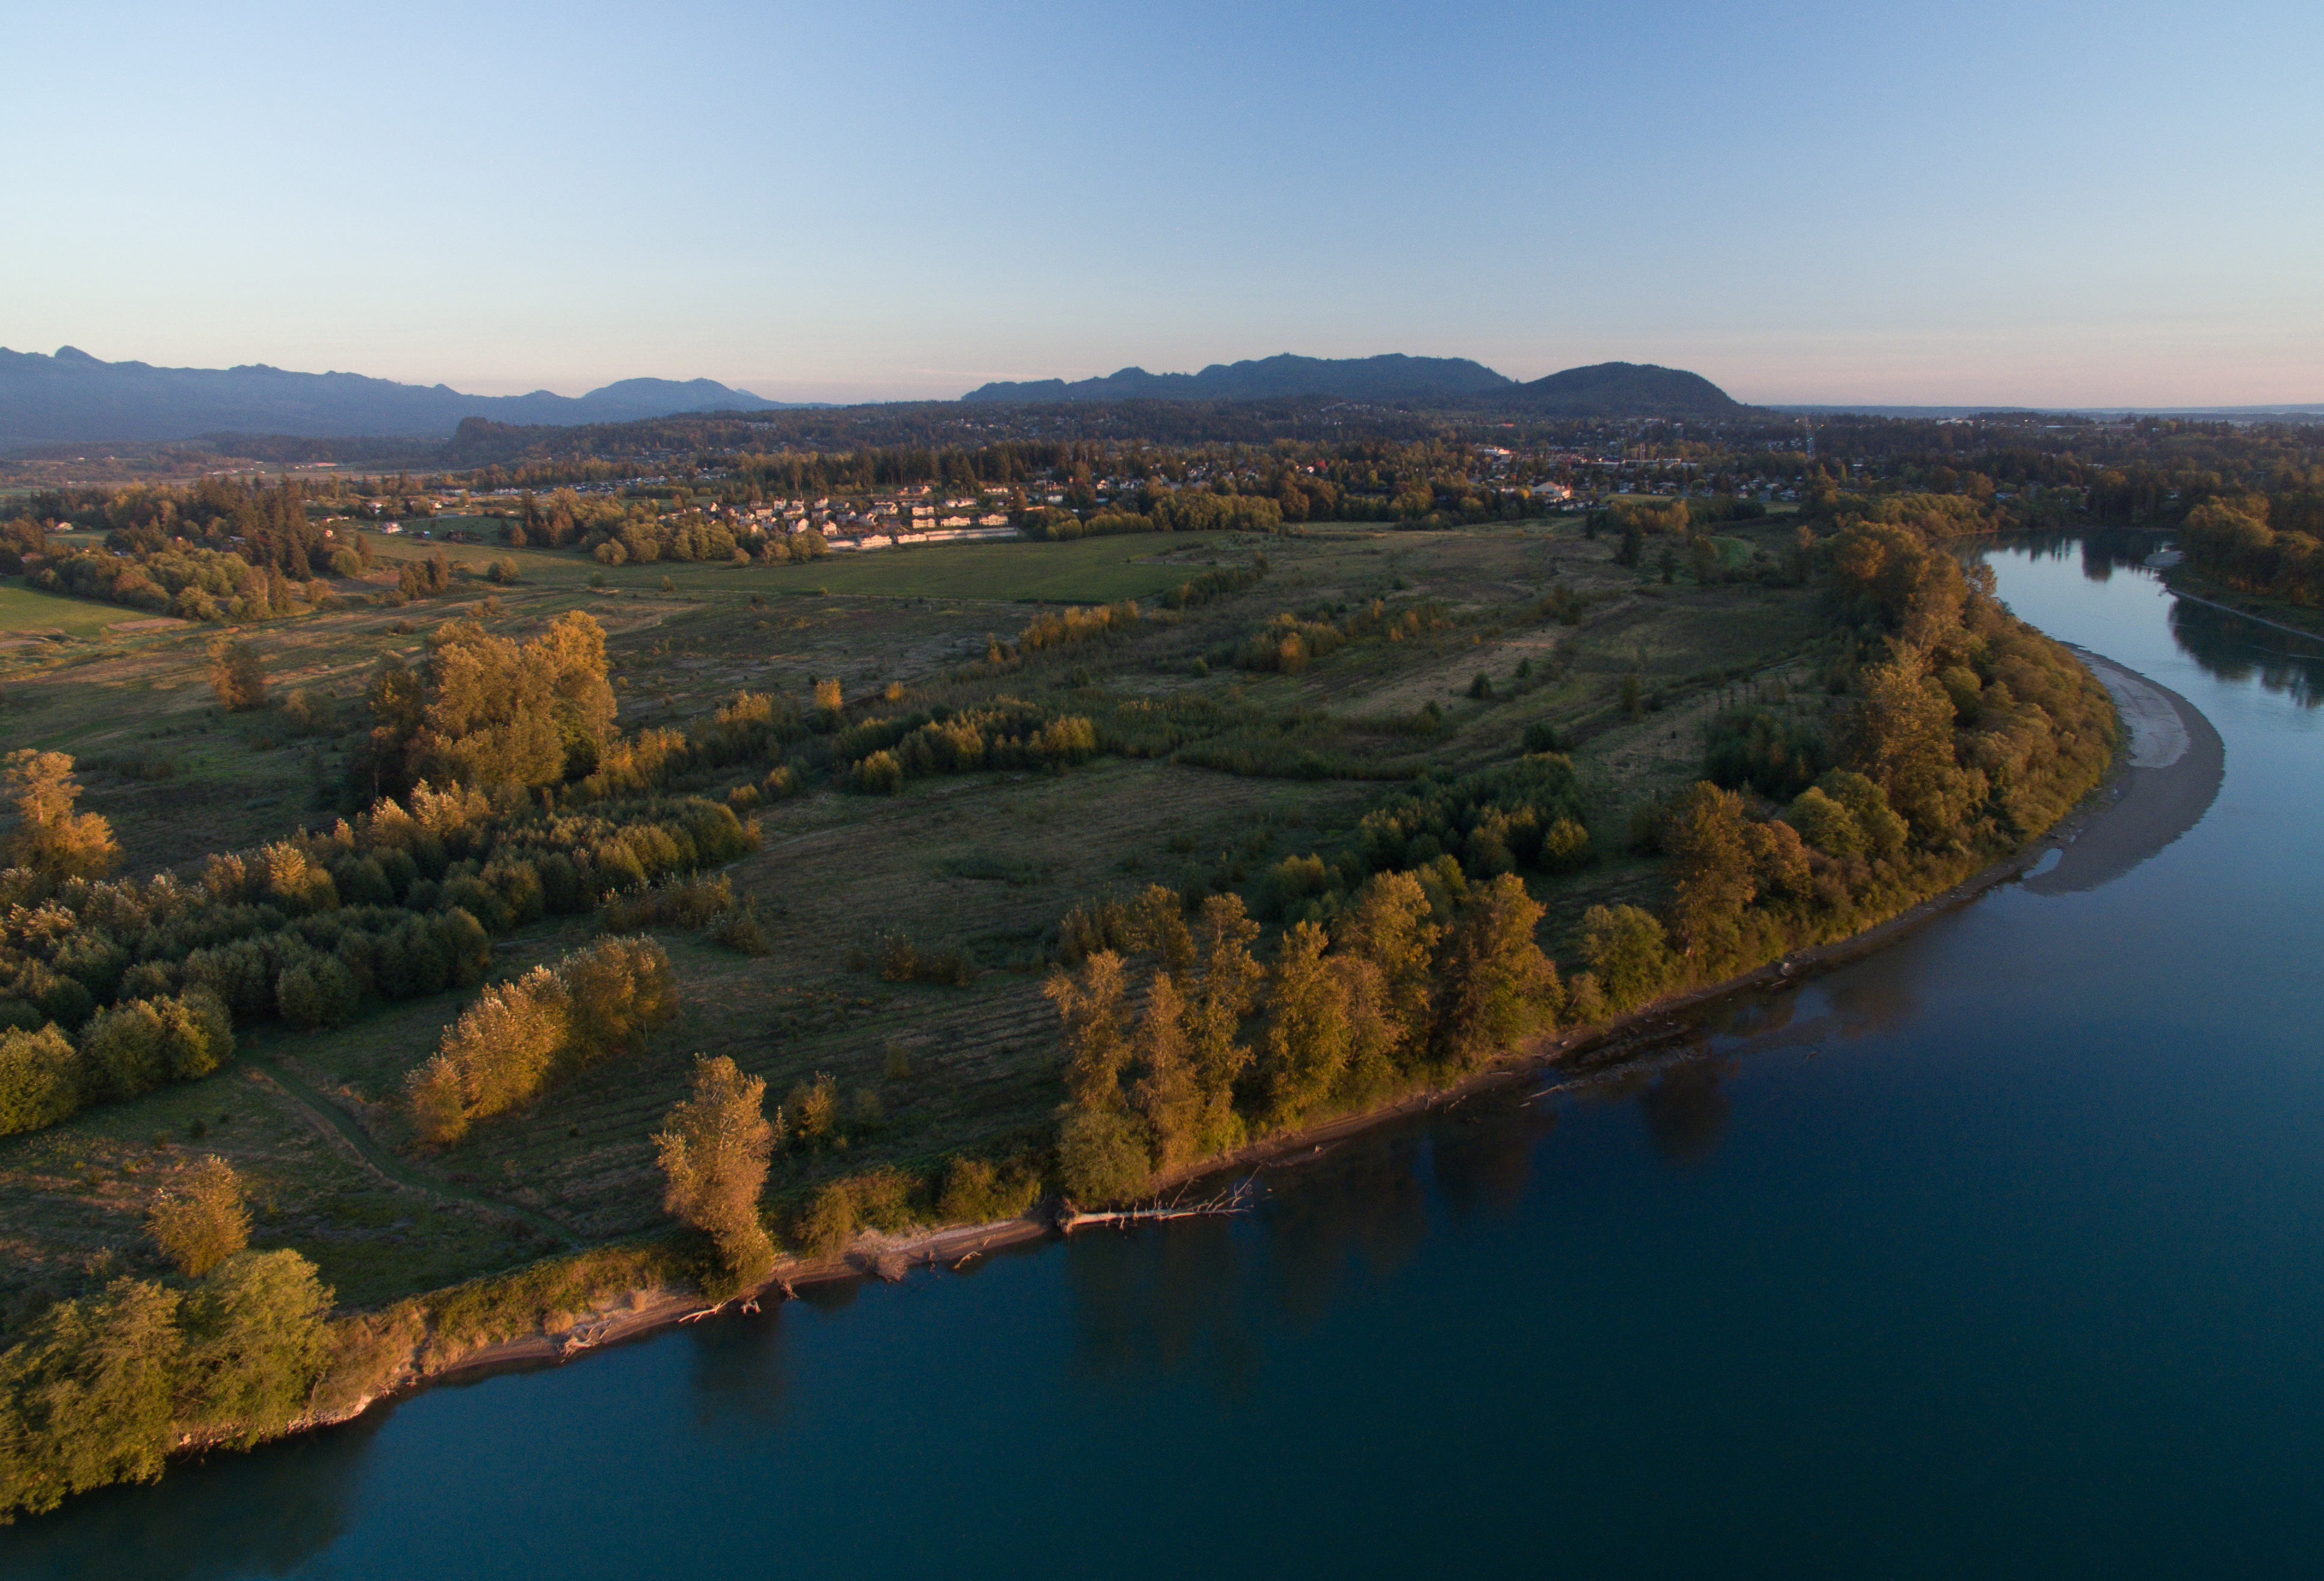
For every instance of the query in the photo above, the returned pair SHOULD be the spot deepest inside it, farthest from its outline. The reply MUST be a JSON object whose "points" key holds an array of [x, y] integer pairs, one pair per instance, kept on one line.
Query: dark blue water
{"points": [[1997, 1253]]}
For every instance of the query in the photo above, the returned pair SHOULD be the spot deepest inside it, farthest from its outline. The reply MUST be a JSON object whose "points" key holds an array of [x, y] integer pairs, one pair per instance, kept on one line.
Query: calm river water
{"points": [[1995, 1254]]}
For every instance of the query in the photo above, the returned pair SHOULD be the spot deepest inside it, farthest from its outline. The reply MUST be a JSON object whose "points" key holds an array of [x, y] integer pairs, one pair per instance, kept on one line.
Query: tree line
{"points": [[231, 1352], [1410, 955], [549, 1023], [110, 985], [1178, 1043], [2267, 543]]}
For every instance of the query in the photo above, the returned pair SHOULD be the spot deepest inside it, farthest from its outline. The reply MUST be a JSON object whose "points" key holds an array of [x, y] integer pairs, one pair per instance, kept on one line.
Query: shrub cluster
{"points": [[900, 960], [886, 1199], [979, 1191], [1219, 582], [1528, 813], [748, 729], [1012, 733], [130, 1048], [1288, 642], [695, 904], [400, 902], [519, 1036], [103, 1388], [183, 580], [1063, 627]]}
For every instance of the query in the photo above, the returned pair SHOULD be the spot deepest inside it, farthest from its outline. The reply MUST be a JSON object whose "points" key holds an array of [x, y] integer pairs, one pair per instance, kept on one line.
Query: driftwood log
{"points": [[1236, 1201]]}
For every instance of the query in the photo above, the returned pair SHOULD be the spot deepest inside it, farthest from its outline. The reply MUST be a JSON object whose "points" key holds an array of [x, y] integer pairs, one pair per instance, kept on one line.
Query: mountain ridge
{"points": [[1611, 389], [1390, 376], [73, 397], [1622, 389]]}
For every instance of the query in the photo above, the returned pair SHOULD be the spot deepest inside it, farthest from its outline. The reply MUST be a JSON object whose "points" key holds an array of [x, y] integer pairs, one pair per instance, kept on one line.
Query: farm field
{"points": [[27, 611], [1277, 763], [1091, 570]]}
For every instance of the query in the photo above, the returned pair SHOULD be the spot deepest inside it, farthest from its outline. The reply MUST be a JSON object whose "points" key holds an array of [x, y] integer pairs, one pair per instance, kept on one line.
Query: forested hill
{"points": [[73, 397], [1392, 377], [1620, 389]]}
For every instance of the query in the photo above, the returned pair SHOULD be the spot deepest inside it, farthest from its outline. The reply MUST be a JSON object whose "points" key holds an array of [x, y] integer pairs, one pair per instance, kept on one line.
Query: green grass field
{"points": [[1095, 571], [984, 863], [26, 610]]}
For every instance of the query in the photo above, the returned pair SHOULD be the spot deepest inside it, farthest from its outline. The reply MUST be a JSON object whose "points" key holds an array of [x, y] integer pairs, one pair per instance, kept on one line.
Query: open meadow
{"points": [[28, 614], [1092, 571], [1220, 759]]}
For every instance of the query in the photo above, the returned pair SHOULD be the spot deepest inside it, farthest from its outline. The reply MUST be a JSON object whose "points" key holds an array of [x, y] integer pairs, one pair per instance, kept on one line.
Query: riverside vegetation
{"points": [[575, 932]]}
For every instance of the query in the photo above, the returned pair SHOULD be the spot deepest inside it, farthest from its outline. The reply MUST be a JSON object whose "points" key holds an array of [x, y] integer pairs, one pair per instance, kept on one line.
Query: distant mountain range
{"points": [[1603, 390], [1362, 378], [73, 397]]}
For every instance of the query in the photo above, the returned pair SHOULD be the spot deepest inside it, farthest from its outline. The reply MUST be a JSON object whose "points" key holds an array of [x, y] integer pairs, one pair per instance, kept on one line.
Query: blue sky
{"points": [[2061, 204]]}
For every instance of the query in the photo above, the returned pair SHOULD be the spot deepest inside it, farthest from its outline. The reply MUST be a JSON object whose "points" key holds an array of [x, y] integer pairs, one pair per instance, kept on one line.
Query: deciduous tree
{"points": [[1498, 985], [238, 674], [1308, 1034], [1390, 926], [1090, 1004], [199, 1220], [1165, 1094], [1224, 994], [714, 1150], [255, 1342], [49, 838], [1627, 953]]}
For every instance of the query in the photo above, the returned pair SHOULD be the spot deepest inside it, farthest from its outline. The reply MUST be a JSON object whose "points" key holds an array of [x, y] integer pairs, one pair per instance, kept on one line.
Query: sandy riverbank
{"points": [[2166, 777]]}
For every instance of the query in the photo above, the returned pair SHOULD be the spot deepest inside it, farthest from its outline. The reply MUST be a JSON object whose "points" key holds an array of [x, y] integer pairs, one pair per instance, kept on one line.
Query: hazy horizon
{"points": [[485, 387], [2085, 205]]}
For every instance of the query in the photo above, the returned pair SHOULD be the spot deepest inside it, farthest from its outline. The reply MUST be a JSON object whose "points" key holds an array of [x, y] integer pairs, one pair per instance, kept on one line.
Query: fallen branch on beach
{"points": [[1233, 1201], [585, 1336]]}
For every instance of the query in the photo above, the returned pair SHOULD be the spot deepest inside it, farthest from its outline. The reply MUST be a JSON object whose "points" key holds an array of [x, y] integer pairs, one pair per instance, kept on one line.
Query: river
{"points": [[1997, 1253]]}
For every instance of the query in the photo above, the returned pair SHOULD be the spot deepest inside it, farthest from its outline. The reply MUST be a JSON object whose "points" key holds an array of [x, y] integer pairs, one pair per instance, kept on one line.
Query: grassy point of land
{"points": [[986, 863], [1251, 728]]}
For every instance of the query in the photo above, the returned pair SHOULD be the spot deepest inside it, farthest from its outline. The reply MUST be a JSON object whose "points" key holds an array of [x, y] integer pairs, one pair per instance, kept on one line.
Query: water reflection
{"points": [[1878, 995], [1361, 1211], [1161, 1299], [1687, 1111], [2235, 649], [262, 1514], [2225, 644], [741, 1370], [2101, 552], [1483, 1161]]}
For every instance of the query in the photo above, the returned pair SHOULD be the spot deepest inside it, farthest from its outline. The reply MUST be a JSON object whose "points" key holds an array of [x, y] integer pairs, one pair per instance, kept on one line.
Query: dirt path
{"points": [[336, 1120]]}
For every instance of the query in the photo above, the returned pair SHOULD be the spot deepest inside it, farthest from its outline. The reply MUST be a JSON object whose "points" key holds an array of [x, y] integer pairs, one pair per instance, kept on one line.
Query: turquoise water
{"points": [[1995, 1254]]}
